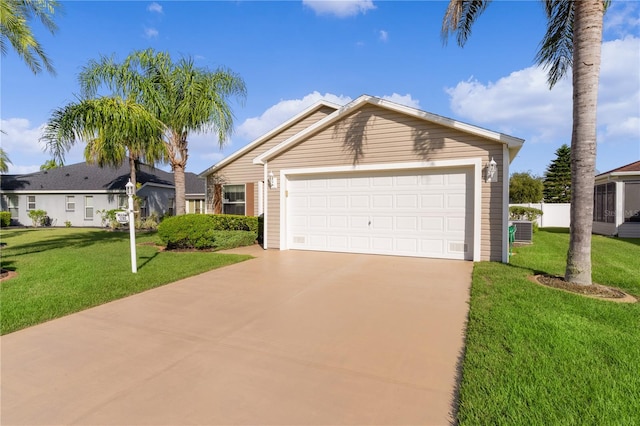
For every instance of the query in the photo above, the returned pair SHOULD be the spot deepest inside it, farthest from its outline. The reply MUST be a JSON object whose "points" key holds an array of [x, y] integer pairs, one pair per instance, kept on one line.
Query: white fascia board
{"points": [[316, 106], [616, 176], [512, 142]]}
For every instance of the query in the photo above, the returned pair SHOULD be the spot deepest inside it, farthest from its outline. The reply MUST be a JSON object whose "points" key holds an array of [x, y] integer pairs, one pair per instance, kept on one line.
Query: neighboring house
{"points": [[372, 177], [616, 202], [194, 193], [75, 193]]}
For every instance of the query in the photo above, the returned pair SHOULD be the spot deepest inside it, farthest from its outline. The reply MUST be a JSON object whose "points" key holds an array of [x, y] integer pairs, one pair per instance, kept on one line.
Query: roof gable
{"points": [[631, 168], [514, 144], [267, 136]]}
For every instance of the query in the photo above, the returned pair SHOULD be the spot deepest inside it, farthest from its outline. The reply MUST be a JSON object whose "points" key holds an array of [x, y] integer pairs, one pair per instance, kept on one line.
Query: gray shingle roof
{"points": [[86, 177]]}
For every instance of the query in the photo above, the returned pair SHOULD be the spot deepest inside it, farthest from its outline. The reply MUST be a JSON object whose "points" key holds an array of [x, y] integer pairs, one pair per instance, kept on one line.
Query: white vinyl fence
{"points": [[554, 215]]}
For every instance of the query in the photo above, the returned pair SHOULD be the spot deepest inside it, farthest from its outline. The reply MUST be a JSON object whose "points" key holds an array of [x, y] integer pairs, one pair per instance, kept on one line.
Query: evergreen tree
{"points": [[525, 188], [557, 178]]}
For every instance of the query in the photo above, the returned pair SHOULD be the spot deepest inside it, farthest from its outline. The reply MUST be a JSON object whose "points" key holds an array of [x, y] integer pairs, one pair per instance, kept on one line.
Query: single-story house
{"points": [[616, 202], [373, 177], [75, 193]]}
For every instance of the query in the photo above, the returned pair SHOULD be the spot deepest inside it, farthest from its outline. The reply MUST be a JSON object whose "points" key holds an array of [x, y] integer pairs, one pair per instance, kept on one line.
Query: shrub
{"points": [[525, 213], [108, 218], [232, 222], [5, 219], [149, 223], [67, 223], [38, 217], [202, 231]]}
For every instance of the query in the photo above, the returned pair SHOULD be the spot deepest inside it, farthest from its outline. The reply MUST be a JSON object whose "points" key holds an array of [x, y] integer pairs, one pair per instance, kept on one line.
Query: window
{"points": [[12, 205], [172, 203], [31, 202], [195, 206], [632, 202], [123, 202], [71, 203], [233, 200], [144, 210], [604, 203], [88, 207]]}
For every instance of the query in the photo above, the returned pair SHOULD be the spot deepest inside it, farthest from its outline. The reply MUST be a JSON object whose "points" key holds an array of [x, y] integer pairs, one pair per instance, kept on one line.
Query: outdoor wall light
{"points": [[492, 171], [273, 181]]}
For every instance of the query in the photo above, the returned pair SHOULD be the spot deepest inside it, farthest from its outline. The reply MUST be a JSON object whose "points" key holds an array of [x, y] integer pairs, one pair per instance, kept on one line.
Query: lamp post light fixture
{"points": [[492, 171], [131, 190]]}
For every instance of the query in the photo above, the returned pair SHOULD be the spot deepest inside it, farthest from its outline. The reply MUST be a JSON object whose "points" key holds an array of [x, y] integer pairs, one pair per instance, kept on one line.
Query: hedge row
{"points": [[204, 231]]}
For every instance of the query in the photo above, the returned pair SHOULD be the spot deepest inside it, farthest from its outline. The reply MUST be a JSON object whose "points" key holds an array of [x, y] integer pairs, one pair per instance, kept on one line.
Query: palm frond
{"points": [[460, 17], [555, 54]]}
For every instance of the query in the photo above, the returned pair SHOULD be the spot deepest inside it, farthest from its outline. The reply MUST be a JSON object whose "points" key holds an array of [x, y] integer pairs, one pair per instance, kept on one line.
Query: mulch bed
{"points": [[593, 290]]}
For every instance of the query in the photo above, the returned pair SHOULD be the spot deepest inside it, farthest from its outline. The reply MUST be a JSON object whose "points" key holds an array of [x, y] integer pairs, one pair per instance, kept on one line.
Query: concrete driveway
{"points": [[288, 338]]}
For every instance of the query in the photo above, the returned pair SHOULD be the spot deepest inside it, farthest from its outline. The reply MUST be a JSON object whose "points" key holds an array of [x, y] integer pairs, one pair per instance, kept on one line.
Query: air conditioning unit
{"points": [[524, 231]]}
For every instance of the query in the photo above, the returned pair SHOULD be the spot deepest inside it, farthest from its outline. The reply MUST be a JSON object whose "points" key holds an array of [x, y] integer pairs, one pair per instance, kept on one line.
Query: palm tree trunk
{"points": [[178, 176], [587, 40], [132, 171]]}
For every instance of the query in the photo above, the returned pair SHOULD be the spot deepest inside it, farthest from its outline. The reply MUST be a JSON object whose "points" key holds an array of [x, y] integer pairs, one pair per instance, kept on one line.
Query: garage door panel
{"points": [[456, 201], [338, 202], [382, 223], [432, 223], [384, 201], [338, 222], [407, 201], [427, 213], [432, 201], [359, 201]]}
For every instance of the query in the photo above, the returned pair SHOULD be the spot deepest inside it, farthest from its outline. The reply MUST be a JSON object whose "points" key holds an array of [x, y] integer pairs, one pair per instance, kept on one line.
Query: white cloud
{"points": [[521, 103], [21, 142], [20, 137], [622, 17], [154, 8], [255, 127], [339, 8], [383, 35], [151, 33], [403, 100]]}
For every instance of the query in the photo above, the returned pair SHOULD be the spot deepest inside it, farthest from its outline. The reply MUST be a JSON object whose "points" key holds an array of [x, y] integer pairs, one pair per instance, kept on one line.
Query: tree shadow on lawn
{"points": [[80, 239], [147, 259]]}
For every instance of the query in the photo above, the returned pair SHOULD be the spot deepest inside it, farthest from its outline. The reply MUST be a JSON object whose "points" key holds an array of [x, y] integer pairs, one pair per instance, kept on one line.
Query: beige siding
{"points": [[242, 170], [376, 135]]}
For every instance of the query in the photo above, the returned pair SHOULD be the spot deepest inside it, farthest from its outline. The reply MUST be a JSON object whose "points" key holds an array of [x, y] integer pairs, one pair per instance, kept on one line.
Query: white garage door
{"points": [[414, 213]]}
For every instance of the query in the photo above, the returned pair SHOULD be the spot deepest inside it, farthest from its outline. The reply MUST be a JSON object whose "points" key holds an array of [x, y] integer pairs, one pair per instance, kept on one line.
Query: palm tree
{"points": [[573, 40], [185, 98], [4, 161], [115, 131], [14, 28]]}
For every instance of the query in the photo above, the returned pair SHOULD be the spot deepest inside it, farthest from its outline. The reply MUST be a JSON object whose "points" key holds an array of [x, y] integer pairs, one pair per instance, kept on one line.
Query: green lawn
{"points": [[66, 270], [540, 356]]}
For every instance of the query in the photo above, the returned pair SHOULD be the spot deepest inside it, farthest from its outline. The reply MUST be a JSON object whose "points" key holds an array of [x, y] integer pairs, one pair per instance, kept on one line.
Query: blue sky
{"points": [[292, 53]]}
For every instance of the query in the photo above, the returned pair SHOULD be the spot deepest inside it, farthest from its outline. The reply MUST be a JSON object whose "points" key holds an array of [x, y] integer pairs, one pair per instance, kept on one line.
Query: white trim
{"points": [[475, 162], [620, 203], [505, 206], [512, 142], [260, 197], [265, 227], [308, 111]]}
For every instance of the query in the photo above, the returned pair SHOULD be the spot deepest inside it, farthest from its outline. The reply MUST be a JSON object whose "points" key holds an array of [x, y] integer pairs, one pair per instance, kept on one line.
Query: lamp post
{"points": [[131, 190]]}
